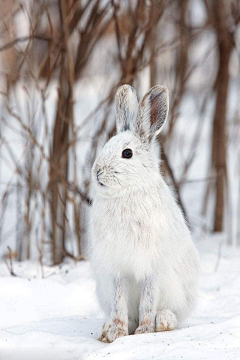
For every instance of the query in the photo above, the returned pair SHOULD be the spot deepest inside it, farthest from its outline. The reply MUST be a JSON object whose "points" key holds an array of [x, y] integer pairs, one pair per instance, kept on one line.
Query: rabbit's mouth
{"points": [[98, 174], [100, 183]]}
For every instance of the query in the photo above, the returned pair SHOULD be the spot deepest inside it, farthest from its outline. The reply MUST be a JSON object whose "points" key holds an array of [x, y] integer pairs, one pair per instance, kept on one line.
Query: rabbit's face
{"points": [[129, 159], [123, 162]]}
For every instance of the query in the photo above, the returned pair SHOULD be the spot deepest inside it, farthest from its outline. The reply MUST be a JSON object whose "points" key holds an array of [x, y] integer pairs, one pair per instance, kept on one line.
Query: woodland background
{"points": [[61, 63]]}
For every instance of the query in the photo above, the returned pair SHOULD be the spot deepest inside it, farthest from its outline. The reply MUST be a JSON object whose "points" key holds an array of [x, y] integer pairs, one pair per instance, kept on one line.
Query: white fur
{"points": [[142, 251]]}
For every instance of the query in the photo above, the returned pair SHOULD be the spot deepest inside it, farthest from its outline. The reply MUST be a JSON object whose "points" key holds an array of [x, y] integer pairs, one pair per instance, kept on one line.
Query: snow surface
{"points": [[57, 317]]}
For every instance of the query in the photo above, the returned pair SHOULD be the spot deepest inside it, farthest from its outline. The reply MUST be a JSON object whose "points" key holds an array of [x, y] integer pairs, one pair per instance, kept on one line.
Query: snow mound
{"points": [[57, 317]]}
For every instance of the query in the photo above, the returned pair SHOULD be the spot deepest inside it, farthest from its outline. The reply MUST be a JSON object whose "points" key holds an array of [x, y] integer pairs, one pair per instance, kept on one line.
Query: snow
{"points": [[57, 317]]}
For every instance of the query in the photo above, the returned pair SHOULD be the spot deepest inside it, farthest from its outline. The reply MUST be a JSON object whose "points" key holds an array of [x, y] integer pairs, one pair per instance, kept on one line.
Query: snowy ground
{"points": [[58, 317]]}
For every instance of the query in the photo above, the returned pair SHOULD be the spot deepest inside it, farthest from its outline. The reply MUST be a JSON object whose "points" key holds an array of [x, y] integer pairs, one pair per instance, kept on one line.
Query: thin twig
{"points": [[23, 39], [10, 265]]}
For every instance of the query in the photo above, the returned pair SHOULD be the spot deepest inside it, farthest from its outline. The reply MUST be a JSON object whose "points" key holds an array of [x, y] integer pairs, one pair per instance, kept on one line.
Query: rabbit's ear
{"points": [[126, 107], [152, 113]]}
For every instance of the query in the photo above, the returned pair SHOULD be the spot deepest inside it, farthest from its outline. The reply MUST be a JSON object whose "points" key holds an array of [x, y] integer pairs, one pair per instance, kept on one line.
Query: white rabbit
{"points": [[145, 262]]}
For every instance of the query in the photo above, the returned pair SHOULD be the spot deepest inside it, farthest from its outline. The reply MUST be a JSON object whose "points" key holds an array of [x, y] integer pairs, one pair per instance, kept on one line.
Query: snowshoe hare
{"points": [[145, 262]]}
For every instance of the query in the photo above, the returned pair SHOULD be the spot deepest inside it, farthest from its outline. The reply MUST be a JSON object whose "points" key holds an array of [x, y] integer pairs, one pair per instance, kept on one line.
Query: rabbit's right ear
{"points": [[152, 113], [126, 108]]}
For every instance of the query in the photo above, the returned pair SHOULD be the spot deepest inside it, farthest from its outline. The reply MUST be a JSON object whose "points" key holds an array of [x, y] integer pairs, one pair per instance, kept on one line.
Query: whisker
{"points": [[119, 182]]}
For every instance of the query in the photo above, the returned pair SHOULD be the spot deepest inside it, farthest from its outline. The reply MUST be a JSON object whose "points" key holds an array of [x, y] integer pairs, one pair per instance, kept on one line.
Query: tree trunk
{"points": [[59, 172], [59, 154], [152, 47], [219, 123]]}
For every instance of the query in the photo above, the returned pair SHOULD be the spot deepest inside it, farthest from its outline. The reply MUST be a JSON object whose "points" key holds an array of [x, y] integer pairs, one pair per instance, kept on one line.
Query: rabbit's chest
{"points": [[125, 237], [129, 220]]}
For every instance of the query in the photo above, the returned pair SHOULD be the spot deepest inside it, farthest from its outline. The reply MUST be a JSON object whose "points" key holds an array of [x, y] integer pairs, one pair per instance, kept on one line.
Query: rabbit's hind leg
{"points": [[166, 320]]}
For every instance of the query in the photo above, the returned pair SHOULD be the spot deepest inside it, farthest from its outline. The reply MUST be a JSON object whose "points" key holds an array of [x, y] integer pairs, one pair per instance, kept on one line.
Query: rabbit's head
{"points": [[128, 159]]}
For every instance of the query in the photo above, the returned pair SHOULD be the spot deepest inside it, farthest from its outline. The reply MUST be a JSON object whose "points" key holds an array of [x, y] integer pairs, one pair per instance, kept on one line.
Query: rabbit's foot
{"points": [[112, 330], [165, 320], [145, 328]]}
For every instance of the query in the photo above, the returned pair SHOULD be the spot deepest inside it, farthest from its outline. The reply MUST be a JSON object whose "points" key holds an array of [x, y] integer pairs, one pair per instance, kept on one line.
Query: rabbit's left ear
{"points": [[152, 113], [126, 107]]}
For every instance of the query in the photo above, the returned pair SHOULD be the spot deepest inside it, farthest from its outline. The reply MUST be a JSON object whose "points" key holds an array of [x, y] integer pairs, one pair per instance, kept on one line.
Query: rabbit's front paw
{"points": [[112, 330], [144, 329], [165, 320]]}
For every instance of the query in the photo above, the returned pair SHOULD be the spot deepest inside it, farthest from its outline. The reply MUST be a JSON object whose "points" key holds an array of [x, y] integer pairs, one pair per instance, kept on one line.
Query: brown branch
{"points": [[23, 39], [175, 184], [73, 188], [10, 266]]}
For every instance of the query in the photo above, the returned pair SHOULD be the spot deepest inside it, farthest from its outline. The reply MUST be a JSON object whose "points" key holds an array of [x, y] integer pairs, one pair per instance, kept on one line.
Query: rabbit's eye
{"points": [[127, 153]]}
